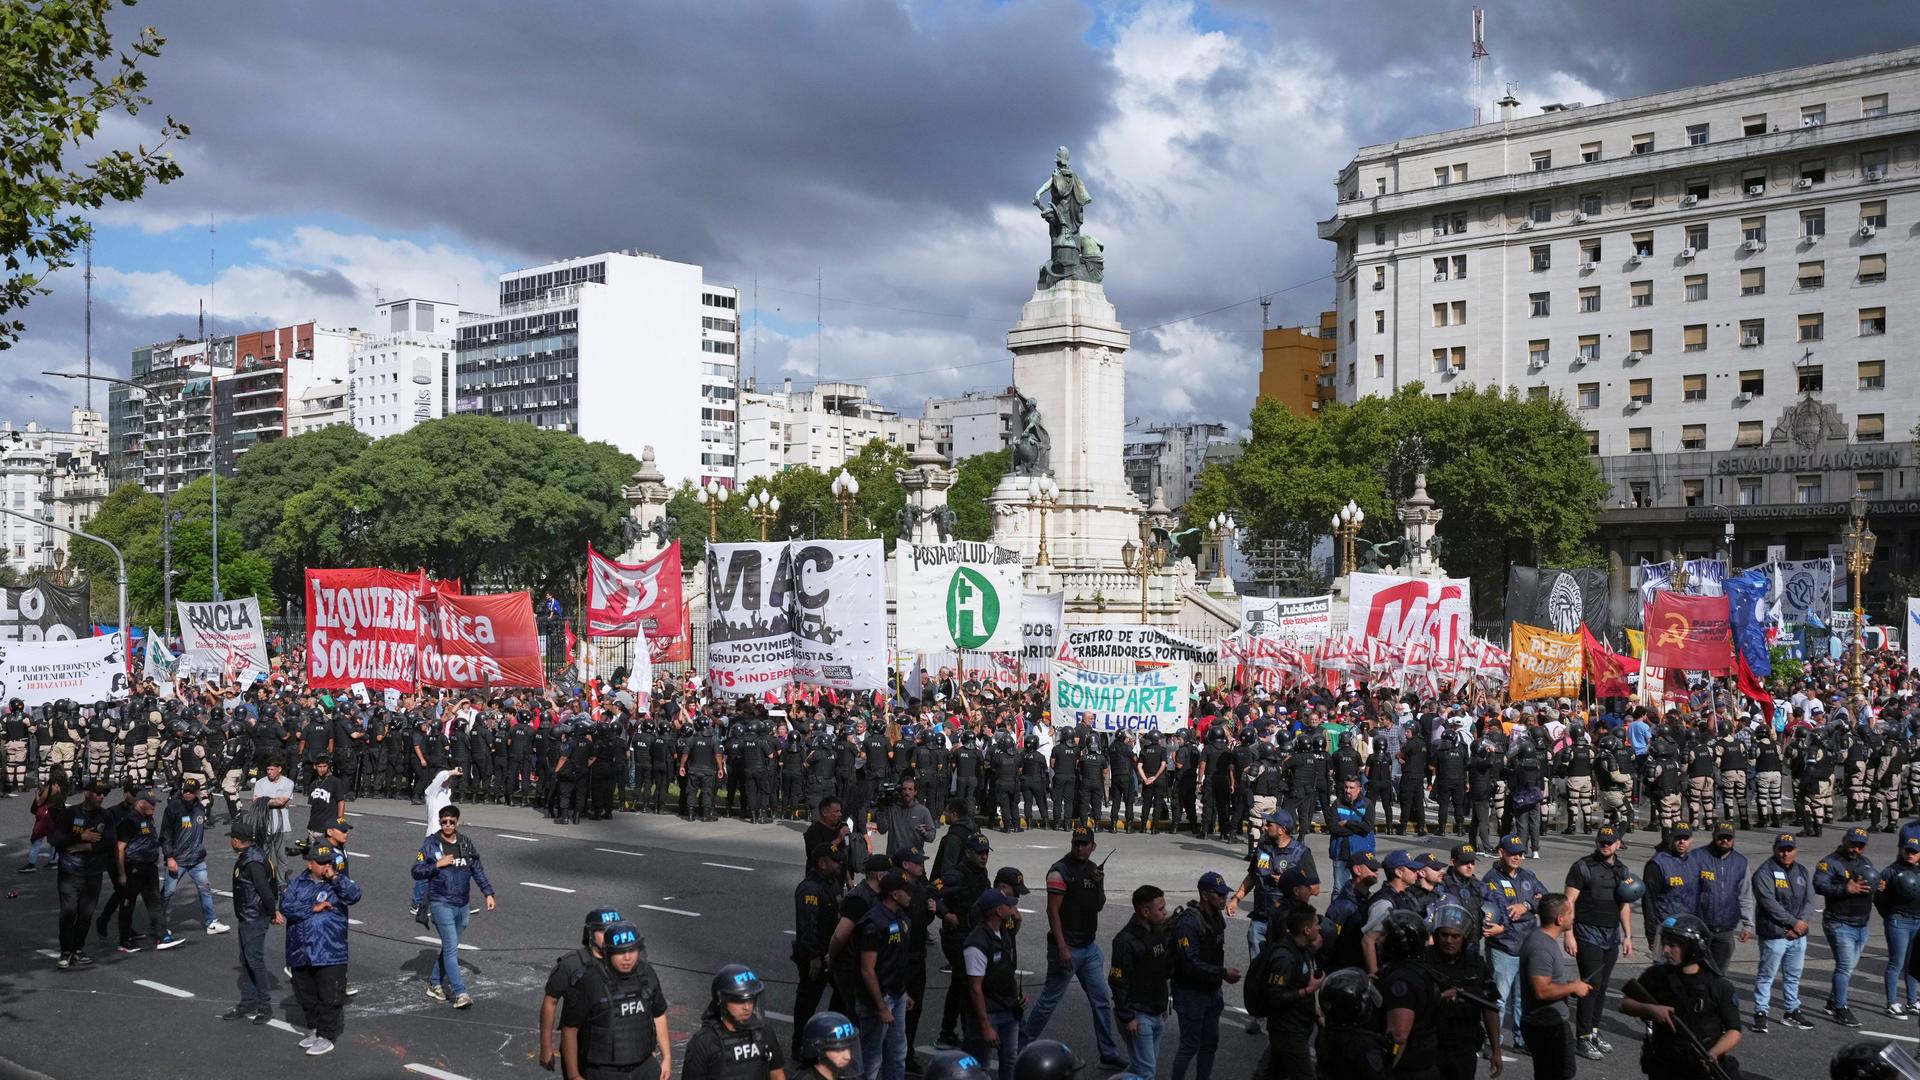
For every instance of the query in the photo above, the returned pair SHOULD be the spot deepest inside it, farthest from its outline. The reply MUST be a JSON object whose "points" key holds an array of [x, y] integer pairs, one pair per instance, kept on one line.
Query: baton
{"points": [[1714, 1066]]}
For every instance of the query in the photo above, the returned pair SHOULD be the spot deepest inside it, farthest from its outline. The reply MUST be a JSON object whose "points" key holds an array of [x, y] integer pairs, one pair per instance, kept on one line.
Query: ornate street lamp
{"points": [[765, 508], [1858, 542], [1220, 527], [1143, 560], [845, 487], [1346, 528], [713, 495], [1042, 495]]}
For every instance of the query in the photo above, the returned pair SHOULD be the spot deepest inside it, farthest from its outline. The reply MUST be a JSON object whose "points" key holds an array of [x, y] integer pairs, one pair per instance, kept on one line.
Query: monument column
{"points": [[647, 498], [925, 480]]}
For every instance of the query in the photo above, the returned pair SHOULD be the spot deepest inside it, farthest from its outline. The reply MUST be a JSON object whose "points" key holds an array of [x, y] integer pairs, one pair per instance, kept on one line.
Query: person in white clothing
{"points": [[277, 789], [439, 796]]}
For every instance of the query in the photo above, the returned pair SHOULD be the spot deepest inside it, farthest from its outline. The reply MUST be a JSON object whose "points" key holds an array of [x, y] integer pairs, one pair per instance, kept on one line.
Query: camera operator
{"points": [[906, 824]]}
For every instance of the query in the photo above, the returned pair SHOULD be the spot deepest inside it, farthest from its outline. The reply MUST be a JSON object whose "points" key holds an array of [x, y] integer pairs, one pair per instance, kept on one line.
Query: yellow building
{"points": [[1297, 364]]}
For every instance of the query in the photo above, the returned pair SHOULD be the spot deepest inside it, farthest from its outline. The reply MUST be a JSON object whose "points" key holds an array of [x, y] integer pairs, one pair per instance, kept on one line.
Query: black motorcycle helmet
{"points": [[1630, 889], [955, 1065], [1871, 1060], [1033, 742], [1047, 1059], [1691, 934], [828, 1031], [1349, 1000], [1403, 936], [736, 982]]}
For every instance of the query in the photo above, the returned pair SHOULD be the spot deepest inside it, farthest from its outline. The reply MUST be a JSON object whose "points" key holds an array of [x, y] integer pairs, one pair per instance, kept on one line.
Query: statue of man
{"points": [[1061, 200]]}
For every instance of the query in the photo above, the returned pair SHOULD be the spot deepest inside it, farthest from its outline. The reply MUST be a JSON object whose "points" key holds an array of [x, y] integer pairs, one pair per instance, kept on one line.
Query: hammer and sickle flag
{"points": [[1689, 633]]}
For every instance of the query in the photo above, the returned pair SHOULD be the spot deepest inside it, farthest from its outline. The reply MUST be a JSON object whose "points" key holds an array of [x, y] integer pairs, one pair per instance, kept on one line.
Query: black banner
{"points": [[1560, 600]]}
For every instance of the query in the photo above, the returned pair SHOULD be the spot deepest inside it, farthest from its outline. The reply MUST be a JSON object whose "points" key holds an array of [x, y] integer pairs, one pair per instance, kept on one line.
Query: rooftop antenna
{"points": [[1479, 54], [1266, 304], [89, 320], [756, 330]]}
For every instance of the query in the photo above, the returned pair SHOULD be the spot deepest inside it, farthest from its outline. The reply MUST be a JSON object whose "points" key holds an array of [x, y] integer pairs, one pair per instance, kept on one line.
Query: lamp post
{"points": [[1346, 528], [1042, 495], [1858, 543], [1221, 526], [765, 508], [1727, 537], [845, 487], [1142, 560], [712, 495]]}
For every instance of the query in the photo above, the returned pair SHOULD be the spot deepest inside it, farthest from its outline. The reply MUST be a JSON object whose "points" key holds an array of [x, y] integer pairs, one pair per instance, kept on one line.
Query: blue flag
{"points": [[1747, 612]]}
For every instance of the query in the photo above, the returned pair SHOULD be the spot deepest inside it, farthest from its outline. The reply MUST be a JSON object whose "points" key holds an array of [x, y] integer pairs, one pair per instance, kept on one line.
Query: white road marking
{"points": [[358, 855], [352, 813], [789, 933], [436, 941], [355, 922], [437, 1074], [170, 991], [222, 892], [617, 851], [549, 888], [48, 953], [510, 836], [771, 1015], [728, 866], [671, 910], [1026, 911], [1886, 1035], [281, 1025]]}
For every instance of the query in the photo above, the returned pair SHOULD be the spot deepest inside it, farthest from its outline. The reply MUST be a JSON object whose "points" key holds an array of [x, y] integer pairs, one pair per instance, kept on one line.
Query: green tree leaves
{"points": [[978, 476]]}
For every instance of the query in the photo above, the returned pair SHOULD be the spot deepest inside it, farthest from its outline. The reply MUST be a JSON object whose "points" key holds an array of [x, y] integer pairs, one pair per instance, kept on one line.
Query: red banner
{"points": [[1606, 669], [363, 626], [480, 642], [1689, 633], [623, 599]]}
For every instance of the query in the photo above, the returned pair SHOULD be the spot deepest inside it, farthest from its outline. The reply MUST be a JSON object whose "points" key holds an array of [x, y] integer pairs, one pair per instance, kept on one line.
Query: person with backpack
{"points": [[1199, 971], [256, 907], [1142, 964], [450, 864], [567, 971], [47, 799], [1281, 985]]}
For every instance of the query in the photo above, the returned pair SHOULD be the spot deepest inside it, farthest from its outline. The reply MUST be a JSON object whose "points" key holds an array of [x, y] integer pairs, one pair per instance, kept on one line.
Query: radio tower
{"points": [[1479, 54]]}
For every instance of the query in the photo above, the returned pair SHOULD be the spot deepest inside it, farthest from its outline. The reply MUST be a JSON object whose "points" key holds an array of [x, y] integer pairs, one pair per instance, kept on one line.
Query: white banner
{"points": [[1401, 610], [1912, 632], [1043, 618], [159, 664], [84, 669], [216, 639], [749, 641], [1150, 700], [963, 596], [1801, 588], [1137, 641], [1304, 621], [839, 613]]}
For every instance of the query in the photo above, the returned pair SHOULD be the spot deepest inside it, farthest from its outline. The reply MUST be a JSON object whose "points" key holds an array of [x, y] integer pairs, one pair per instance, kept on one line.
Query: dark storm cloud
{"points": [[324, 282]]}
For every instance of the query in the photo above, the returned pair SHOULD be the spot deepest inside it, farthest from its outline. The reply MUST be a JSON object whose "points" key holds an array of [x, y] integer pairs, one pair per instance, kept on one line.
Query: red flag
{"points": [[570, 643], [1606, 669], [1751, 686], [1689, 633]]}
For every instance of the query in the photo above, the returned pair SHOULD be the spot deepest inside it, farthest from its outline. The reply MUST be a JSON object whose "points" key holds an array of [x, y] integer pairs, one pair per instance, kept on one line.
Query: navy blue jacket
{"points": [[450, 884], [1782, 896], [317, 938], [1725, 902]]}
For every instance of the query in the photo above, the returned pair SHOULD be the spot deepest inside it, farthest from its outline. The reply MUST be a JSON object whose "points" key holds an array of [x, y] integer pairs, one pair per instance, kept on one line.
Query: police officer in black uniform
{"points": [[1033, 784], [702, 759], [816, 910], [1462, 973], [1680, 996], [1293, 977], [1409, 997], [734, 1042], [567, 971], [613, 1025], [954, 893]]}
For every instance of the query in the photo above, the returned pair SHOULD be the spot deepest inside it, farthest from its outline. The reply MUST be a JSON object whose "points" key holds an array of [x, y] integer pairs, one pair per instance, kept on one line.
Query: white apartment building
{"points": [[820, 427], [977, 422], [1167, 457], [1712, 278], [62, 473], [322, 405], [402, 372], [621, 347]]}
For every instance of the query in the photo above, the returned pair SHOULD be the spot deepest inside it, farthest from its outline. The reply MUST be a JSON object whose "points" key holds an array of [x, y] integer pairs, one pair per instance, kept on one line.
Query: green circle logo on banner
{"points": [[973, 609]]}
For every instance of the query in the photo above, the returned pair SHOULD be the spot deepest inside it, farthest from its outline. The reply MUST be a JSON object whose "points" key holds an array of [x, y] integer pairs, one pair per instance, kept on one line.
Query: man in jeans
{"points": [[991, 961], [1513, 902], [1199, 971], [1782, 903], [1898, 898], [1076, 891], [884, 948], [183, 841], [1846, 879], [1142, 964], [450, 864], [1547, 980], [256, 906]]}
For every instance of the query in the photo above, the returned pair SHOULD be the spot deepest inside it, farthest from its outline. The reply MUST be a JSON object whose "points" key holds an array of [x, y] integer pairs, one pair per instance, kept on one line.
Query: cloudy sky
{"points": [[345, 151]]}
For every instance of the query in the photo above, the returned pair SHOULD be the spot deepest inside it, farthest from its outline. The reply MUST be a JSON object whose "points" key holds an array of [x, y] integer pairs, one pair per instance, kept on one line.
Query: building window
{"points": [[1439, 360], [1813, 115], [1457, 356], [1813, 172], [1538, 353], [1700, 190], [1694, 338], [1641, 144], [1813, 327], [1540, 257], [1590, 347], [1870, 484], [1592, 203], [1379, 277], [1873, 374], [1696, 287], [1693, 387], [1593, 442], [1540, 213], [1379, 235], [1747, 490], [1870, 427], [1751, 433], [1379, 321], [1873, 164], [1693, 492], [1536, 393], [1812, 379], [1541, 305], [1806, 488], [1812, 275], [1813, 224], [1379, 366], [1753, 230], [1643, 244], [1442, 176], [1755, 124], [1542, 160], [1753, 381], [1872, 105], [1873, 321], [1696, 134], [1639, 441], [1590, 152], [1590, 298], [1874, 213], [1873, 269], [1440, 269], [1440, 314], [1590, 252], [1640, 341], [1639, 492], [1459, 313], [1589, 395], [1697, 237], [1640, 197], [1753, 333], [1460, 261], [1753, 281], [1640, 390], [1641, 293]]}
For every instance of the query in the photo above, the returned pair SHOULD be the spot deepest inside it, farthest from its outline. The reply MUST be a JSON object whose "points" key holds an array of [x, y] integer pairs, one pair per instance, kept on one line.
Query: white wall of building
{"points": [[401, 374]]}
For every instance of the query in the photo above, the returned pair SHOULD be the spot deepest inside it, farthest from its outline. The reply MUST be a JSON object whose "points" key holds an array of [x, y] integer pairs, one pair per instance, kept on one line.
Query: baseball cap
{"points": [[320, 853], [825, 851], [1009, 875], [1604, 835], [1513, 845], [1722, 828], [1784, 841], [1680, 831], [146, 795], [191, 783], [910, 856], [343, 826], [99, 786], [1294, 878], [876, 864], [893, 882], [992, 898], [1464, 853], [1282, 818], [1855, 835], [1911, 843], [1367, 859], [1399, 860], [1427, 860], [1083, 835], [979, 842], [1212, 882]]}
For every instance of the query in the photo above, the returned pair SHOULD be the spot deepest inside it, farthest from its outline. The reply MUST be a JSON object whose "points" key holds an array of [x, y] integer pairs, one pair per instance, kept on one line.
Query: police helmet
{"points": [[1047, 1059], [1033, 742], [1451, 917], [1348, 999], [1629, 889], [955, 1065], [1403, 936], [1690, 933], [826, 1031], [736, 982], [1872, 1060], [1904, 882], [622, 937], [597, 919]]}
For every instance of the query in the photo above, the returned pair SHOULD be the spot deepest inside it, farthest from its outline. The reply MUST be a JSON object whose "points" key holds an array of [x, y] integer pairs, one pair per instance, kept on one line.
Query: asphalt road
{"points": [[703, 895]]}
